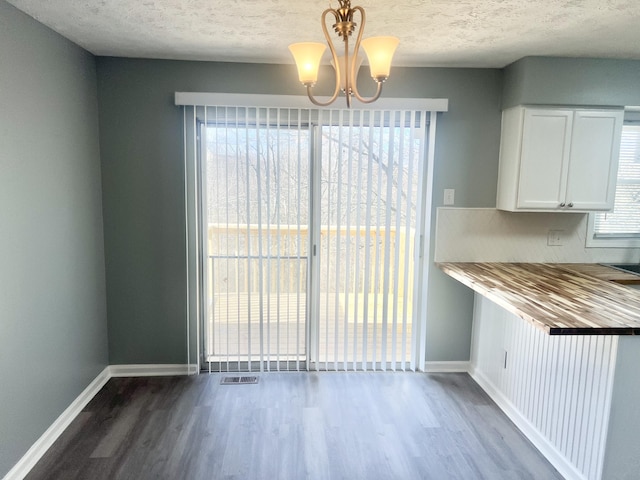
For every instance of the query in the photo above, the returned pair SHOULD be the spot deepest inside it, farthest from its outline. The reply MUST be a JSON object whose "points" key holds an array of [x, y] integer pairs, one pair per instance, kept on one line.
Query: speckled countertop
{"points": [[561, 299]]}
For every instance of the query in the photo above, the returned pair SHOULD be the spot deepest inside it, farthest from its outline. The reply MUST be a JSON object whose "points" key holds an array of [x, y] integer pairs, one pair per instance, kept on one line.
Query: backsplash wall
{"points": [[490, 235]]}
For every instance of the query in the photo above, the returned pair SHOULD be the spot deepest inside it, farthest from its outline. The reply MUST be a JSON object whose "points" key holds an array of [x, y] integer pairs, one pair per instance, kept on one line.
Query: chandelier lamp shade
{"points": [[379, 52]]}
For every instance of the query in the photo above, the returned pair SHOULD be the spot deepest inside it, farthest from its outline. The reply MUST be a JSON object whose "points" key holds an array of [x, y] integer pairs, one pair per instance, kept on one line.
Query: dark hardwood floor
{"points": [[294, 426]]}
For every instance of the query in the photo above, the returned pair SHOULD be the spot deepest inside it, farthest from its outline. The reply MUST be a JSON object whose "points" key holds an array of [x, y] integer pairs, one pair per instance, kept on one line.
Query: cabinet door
{"points": [[543, 166], [593, 164]]}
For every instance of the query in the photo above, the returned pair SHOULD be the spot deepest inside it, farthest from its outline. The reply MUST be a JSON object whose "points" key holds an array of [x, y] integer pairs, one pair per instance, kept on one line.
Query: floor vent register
{"points": [[238, 380]]}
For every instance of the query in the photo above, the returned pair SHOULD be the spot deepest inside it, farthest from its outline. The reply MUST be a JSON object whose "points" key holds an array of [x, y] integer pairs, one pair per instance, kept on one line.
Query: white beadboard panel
{"points": [[561, 385], [566, 469], [490, 235]]}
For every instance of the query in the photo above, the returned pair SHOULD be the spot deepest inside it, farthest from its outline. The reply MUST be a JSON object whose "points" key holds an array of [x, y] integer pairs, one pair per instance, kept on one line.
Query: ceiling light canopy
{"points": [[379, 51]]}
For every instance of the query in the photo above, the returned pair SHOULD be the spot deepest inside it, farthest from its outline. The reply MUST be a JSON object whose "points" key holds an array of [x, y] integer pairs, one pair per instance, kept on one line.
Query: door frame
{"points": [[194, 102]]}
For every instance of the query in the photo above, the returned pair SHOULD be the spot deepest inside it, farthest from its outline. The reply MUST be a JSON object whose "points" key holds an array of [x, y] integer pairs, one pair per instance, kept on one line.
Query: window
{"points": [[621, 227]]}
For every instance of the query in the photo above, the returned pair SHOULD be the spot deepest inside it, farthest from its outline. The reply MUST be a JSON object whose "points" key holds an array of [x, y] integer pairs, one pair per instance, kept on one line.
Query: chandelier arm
{"points": [[352, 67], [318, 103], [372, 99], [336, 91]]}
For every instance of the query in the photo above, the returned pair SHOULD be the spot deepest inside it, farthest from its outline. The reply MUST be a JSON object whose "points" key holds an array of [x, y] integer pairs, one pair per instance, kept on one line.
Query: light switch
{"points": [[449, 196]]}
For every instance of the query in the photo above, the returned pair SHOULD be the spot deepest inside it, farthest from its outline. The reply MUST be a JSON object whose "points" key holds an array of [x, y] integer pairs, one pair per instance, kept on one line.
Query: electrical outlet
{"points": [[449, 196], [554, 238]]}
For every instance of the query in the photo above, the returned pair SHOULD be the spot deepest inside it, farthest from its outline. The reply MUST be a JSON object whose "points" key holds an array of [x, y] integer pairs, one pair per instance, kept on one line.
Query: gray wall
{"points": [[572, 81], [141, 149], [52, 282], [622, 454]]}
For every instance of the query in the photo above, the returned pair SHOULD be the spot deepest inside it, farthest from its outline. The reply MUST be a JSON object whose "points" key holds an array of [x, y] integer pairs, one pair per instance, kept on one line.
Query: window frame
{"points": [[632, 118], [608, 242]]}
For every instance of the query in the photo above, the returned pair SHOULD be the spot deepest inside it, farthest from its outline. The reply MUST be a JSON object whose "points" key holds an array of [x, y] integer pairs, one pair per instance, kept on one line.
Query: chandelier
{"points": [[379, 51]]}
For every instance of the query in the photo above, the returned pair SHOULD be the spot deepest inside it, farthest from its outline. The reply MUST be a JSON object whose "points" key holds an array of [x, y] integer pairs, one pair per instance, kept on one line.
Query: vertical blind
{"points": [[371, 167], [310, 226], [255, 163]]}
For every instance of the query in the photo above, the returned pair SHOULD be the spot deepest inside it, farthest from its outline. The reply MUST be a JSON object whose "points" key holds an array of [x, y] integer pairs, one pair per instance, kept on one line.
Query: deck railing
{"points": [[257, 279], [235, 252]]}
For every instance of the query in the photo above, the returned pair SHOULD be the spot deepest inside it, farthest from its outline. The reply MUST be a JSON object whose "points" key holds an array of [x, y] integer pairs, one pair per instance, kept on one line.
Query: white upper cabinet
{"points": [[558, 159]]}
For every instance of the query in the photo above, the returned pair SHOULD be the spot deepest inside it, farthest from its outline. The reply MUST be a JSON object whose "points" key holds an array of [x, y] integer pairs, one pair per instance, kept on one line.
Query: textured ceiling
{"points": [[461, 33]]}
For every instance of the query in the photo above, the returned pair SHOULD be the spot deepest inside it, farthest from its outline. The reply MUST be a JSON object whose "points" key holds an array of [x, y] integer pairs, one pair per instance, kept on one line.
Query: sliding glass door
{"points": [[309, 234]]}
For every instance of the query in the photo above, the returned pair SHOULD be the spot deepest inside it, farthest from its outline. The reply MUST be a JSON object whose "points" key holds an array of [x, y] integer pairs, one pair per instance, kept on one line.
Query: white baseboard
{"points": [[151, 370], [446, 367], [559, 461], [40, 447]]}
